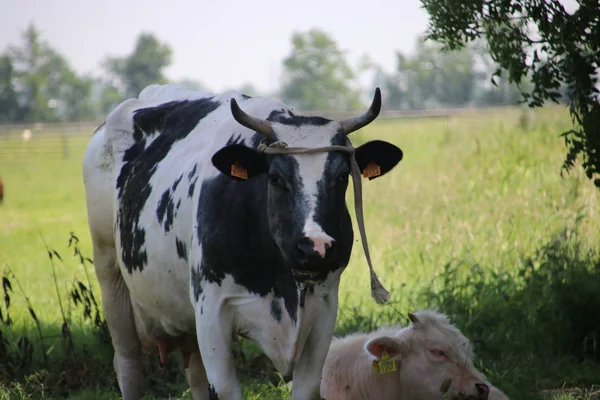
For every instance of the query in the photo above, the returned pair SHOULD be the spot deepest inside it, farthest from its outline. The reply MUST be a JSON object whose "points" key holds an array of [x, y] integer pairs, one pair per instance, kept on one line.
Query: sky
{"points": [[222, 44]]}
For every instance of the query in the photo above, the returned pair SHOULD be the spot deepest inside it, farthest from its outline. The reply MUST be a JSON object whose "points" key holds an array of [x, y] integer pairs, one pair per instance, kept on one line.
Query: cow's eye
{"points": [[342, 179], [438, 353], [277, 180]]}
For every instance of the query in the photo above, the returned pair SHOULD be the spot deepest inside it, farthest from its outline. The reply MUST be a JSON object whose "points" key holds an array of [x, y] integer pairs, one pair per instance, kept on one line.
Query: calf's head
{"points": [[306, 210], [433, 360]]}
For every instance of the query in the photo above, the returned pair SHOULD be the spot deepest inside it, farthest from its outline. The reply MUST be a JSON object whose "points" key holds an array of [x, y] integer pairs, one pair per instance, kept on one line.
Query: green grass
{"points": [[475, 220]]}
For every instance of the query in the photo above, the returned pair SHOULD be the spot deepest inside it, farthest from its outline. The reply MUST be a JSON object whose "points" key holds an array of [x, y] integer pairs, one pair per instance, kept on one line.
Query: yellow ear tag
{"points": [[385, 365], [371, 170], [238, 171]]}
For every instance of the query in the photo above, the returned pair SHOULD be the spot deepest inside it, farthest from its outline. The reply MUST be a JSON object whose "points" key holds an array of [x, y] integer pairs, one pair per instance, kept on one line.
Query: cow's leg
{"points": [[214, 329], [307, 372], [119, 318], [196, 375]]}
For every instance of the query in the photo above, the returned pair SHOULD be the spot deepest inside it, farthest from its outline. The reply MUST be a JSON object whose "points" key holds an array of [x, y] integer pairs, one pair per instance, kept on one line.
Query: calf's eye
{"points": [[437, 353]]}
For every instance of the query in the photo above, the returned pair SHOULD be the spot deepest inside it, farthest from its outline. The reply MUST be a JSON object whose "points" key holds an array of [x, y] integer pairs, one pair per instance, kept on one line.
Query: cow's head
{"points": [[306, 210], [433, 360]]}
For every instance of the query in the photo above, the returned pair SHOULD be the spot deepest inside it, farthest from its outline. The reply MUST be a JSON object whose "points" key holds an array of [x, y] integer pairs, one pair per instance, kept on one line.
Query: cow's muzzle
{"points": [[310, 259]]}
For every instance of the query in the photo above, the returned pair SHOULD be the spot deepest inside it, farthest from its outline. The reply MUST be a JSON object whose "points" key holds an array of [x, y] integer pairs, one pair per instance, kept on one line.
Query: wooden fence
{"points": [[59, 138]]}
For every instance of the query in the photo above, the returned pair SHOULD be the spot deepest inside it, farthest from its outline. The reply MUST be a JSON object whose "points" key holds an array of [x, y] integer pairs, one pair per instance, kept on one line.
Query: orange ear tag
{"points": [[371, 170], [238, 171], [385, 365]]}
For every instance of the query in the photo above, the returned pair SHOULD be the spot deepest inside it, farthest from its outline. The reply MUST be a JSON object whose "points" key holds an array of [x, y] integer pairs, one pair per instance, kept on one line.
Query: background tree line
{"points": [[37, 84]]}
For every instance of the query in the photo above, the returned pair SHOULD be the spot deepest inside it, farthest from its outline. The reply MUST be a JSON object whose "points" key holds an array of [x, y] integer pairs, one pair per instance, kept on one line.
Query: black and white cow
{"points": [[188, 254]]}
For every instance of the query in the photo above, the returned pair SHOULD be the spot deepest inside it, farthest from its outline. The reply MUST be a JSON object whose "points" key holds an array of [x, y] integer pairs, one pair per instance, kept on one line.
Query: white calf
{"points": [[429, 359]]}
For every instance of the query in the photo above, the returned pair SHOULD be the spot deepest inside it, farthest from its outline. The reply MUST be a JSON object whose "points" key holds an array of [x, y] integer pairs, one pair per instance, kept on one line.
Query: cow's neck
{"points": [[236, 240]]}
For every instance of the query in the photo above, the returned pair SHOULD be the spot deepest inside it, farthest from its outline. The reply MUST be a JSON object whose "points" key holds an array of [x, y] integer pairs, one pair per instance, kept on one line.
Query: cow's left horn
{"points": [[256, 124], [355, 123]]}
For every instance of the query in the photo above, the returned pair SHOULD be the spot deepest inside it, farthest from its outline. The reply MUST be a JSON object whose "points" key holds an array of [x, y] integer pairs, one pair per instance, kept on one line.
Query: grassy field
{"points": [[476, 221]]}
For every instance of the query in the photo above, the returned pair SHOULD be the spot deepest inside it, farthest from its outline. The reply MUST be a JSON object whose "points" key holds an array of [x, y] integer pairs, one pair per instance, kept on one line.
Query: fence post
{"points": [[65, 145]]}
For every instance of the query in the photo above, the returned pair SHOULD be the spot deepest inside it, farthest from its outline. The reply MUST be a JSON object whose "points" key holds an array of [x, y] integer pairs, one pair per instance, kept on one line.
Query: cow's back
{"points": [[104, 154]]}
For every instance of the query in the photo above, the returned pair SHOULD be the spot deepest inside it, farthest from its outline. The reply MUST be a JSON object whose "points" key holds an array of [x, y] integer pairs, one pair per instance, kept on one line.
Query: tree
{"points": [[30, 77], [141, 68], [9, 105], [540, 40], [316, 75], [37, 84], [434, 78]]}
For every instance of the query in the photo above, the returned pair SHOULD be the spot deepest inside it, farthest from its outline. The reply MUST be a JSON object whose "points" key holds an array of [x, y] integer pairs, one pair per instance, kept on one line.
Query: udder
{"points": [[160, 336], [163, 346]]}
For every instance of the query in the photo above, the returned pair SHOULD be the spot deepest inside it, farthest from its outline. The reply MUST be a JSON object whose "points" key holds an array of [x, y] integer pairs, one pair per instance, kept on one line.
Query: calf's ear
{"points": [[377, 157], [240, 162], [390, 345]]}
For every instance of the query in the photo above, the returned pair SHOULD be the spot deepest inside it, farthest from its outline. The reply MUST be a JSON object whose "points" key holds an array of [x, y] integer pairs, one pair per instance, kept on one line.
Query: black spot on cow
{"points": [[181, 249], [212, 393], [196, 283], [176, 183], [170, 215], [276, 310], [296, 120], [178, 204], [245, 96], [165, 212], [174, 121], [192, 172], [274, 114], [162, 206], [192, 187], [236, 138], [132, 235]]}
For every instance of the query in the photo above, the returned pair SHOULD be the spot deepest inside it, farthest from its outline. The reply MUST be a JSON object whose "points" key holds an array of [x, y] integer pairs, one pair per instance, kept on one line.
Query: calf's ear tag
{"points": [[371, 170], [385, 365], [238, 171]]}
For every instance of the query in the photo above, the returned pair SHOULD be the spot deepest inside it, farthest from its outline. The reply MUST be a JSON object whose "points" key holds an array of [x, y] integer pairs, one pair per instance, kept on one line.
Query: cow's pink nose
{"points": [[314, 246], [482, 389]]}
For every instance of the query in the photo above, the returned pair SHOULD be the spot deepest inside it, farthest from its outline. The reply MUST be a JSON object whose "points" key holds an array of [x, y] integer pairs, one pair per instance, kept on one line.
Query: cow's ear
{"points": [[377, 157], [240, 162], [392, 346]]}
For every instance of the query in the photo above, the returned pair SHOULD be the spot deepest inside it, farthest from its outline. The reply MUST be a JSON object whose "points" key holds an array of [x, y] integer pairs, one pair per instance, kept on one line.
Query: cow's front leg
{"points": [[214, 329], [308, 370]]}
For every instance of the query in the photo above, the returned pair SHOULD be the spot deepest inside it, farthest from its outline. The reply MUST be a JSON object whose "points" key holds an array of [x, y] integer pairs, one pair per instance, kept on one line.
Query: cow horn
{"points": [[256, 124], [413, 318], [352, 124]]}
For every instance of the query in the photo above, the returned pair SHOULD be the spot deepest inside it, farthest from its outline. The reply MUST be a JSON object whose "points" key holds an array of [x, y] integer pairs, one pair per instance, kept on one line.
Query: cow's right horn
{"points": [[355, 123], [256, 124]]}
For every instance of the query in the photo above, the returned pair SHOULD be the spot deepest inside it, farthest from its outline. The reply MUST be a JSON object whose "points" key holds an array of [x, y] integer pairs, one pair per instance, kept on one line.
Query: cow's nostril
{"points": [[306, 247], [482, 388]]}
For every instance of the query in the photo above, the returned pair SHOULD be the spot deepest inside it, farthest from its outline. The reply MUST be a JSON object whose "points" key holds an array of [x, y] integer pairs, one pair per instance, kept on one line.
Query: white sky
{"points": [[223, 43]]}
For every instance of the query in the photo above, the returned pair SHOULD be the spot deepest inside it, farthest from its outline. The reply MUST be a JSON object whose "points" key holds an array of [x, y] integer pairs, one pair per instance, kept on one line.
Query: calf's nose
{"points": [[483, 390]]}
